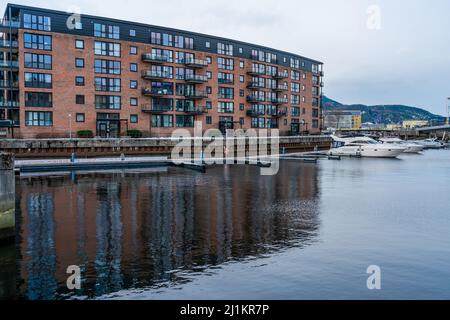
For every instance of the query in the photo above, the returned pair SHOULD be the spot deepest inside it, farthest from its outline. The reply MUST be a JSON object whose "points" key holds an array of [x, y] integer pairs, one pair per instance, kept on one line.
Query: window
{"points": [[79, 81], [185, 121], [167, 40], [38, 99], [107, 84], [189, 43], [31, 21], [38, 61], [241, 79], [133, 67], [38, 118], [225, 107], [107, 66], [79, 99], [226, 49], [241, 107], [107, 49], [155, 38], [134, 118], [315, 124], [241, 64], [133, 50], [295, 87], [38, 80], [225, 78], [241, 50], [132, 33], [241, 121], [162, 121], [208, 105], [226, 93], [133, 84], [37, 41], [106, 31], [226, 64], [208, 44], [79, 44], [208, 120], [133, 102], [209, 60], [108, 102], [295, 111], [79, 62], [241, 93], [208, 90], [80, 117]]}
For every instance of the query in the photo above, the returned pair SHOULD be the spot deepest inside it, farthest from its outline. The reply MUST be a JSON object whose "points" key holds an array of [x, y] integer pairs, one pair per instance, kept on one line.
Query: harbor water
{"points": [[310, 232]]}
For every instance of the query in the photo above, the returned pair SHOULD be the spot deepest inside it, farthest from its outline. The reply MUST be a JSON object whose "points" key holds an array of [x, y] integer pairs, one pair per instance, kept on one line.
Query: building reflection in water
{"points": [[134, 230]]}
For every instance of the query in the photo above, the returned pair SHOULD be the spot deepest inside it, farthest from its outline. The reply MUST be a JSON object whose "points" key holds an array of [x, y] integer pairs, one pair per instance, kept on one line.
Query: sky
{"points": [[374, 52]]}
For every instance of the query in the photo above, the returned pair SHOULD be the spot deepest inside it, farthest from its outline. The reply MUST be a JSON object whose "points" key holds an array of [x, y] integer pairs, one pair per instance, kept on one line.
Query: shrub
{"points": [[84, 134], [135, 134]]}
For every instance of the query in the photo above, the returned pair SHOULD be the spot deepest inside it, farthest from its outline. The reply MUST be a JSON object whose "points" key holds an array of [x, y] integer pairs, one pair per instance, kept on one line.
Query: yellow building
{"points": [[394, 127], [411, 124]]}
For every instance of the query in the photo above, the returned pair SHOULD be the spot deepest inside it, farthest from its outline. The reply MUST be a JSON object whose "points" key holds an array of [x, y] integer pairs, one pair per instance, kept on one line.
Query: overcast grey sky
{"points": [[406, 61]]}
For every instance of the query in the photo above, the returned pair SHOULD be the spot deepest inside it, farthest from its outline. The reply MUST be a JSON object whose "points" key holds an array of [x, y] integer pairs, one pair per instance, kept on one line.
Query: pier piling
{"points": [[7, 197]]}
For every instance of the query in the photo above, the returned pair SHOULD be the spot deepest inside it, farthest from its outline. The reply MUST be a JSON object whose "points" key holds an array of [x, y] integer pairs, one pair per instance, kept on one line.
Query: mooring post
{"points": [[7, 197]]}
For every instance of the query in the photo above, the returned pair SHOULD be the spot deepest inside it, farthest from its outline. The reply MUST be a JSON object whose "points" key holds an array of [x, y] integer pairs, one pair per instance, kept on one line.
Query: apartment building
{"points": [[342, 119], [62, 73]]}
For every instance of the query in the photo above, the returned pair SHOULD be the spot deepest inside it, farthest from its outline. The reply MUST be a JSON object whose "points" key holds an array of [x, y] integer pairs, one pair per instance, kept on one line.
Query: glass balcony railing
{"points": [[195, 78], [196, 94], [156, 58], [9, 104], [196, 63], [5, 23], [156, 92], [9, 64], [156, 108], [8, 44], [149, 74]]}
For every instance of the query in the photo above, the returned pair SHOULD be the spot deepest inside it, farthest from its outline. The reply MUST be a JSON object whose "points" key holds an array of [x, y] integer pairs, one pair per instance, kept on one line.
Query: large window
{"points": [[155, 38], [226, 93], [38, 99], [37, 41], [38, 80], [225, 107], [108, 102], [162, 121], [226, 64], [38, 118], [38, 61], [226, 49], [106, 31], [225, 78], [107, 66], [107, 49], [35, 22], [107, 84], [185, 121]]}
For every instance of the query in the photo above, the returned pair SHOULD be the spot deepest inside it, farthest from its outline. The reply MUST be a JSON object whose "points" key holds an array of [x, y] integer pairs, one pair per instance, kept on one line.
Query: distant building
{"points": [[343, 119], [412, 124], [372, 126], [394, 127]]}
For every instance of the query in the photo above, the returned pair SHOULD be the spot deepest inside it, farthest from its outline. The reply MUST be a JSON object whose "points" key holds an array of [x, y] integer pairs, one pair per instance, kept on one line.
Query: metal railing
{"points": [[156, 74], [195, 78], [150, 57], [151, 108], [198, 63]]}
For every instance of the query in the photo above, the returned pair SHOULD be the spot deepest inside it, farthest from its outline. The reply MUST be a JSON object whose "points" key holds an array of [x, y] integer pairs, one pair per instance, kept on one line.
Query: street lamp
{"points": [[70, 126]]}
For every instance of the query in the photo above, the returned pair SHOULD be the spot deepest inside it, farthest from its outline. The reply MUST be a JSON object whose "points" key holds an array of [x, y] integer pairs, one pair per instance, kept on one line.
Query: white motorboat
{"points": [[364, 147], [410, 147], [431, 144]]}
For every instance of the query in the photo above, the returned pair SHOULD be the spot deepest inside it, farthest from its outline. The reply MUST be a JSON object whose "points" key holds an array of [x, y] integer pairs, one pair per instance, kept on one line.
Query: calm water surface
{"points": [[310, 232]]}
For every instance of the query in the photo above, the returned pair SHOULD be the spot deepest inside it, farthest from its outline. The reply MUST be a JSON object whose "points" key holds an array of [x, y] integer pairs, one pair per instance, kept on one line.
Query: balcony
{"points": [[6, 24], [194, 110], [225, 81], [255, 85], [253, 114], [195, 78], [7, 44], [321, 73], [278, 101], [155, 75], [156, 58], [9, 104], [255, 99], [156, 92], [322, 85], [196, 63], [196, 95], [156, 109], [256, 72], [280, 88], [8, 64], [281, 75], [279, 114], [6, 85]]}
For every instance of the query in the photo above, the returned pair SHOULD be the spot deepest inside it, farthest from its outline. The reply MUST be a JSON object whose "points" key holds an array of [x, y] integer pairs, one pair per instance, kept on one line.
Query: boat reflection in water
{"points": [[130, 230]]}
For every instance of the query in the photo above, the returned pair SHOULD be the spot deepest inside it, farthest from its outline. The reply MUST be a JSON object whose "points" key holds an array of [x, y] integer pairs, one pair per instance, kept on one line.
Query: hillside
{"points": [[383, 114]]}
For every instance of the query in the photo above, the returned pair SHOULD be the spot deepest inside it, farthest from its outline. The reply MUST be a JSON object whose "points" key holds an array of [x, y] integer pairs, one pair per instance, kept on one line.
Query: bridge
{"points": [[442, 128]]}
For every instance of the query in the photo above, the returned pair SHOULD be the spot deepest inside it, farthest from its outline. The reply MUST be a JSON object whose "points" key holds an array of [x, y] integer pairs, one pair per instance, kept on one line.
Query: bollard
{"points": [[7, 197]]}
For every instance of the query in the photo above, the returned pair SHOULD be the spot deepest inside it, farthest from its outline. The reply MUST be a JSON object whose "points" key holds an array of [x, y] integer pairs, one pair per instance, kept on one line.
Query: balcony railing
{"points": [[255, 99], [195, 78], [39, 104], [38, 84], [7, 84], [281, 88], [279, 114], [150, 108], [8, 44], [9, 104], [5, 23], [196, 94], [196, 63], [149, 74], [256, 72], [279, 100], [225, 81], [281, 75], [156, 92], [9, 64], [193, 110], [255, 85], [156, 58]]}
